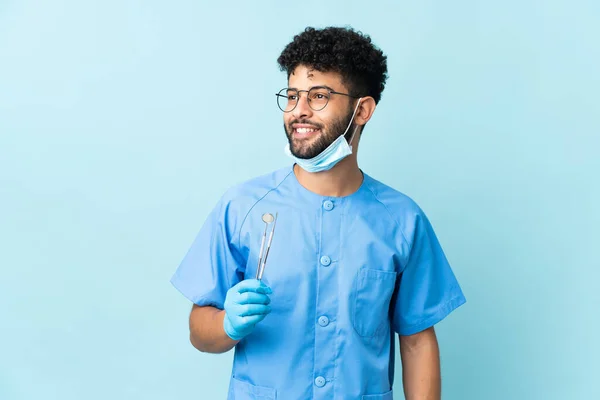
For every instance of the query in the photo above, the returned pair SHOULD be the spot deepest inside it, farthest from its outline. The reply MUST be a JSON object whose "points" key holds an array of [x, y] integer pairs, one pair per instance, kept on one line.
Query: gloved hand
{"points": [[246, 304]]}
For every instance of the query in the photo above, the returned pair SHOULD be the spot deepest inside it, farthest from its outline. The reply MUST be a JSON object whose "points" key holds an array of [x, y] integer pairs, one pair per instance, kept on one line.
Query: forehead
{"points": [[303, 77]]}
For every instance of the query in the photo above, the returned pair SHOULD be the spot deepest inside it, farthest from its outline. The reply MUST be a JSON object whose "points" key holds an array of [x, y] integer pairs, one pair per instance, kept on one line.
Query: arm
{"points": [[206, 330], [421, 366]]}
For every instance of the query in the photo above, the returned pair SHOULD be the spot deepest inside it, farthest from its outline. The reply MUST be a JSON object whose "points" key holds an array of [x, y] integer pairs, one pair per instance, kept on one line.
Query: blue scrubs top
{"points": [[346, 273]]}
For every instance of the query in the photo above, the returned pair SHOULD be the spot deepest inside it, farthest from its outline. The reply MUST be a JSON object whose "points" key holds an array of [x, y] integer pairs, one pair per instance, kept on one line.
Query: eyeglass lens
{"points": [[287, 99]]}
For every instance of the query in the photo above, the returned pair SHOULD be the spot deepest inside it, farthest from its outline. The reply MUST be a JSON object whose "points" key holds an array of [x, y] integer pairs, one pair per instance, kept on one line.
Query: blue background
{"points": [[122, 122]]}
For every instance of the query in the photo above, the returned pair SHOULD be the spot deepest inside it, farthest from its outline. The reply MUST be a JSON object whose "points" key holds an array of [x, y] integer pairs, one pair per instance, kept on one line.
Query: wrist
{"points": [[230, 330]]}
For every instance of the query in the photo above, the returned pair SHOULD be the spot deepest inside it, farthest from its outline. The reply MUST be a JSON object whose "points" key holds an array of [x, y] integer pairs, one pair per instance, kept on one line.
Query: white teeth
{"points": [[304, 130]]}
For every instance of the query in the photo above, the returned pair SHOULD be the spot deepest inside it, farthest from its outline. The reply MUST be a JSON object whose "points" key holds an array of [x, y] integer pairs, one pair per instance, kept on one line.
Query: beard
{"points": [[307, 149]]}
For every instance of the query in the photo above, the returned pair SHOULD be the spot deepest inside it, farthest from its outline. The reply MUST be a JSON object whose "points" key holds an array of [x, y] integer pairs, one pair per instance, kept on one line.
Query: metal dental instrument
{"points": [[262, 258]]}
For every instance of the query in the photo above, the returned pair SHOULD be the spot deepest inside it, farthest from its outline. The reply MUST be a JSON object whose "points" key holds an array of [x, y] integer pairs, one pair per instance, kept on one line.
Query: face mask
{"points": [[328, 158]]}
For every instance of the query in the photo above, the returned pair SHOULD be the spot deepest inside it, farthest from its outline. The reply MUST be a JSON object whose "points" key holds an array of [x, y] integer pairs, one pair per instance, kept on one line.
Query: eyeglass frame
{"points": [[329, 90]]}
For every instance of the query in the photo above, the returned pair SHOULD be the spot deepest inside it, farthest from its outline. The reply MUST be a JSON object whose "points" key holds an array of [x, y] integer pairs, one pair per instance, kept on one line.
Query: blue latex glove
{"points": [[246, 304]]}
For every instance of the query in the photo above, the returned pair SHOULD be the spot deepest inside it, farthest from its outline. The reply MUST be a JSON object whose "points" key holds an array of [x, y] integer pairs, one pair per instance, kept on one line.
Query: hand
{"points": [[246, 304]]}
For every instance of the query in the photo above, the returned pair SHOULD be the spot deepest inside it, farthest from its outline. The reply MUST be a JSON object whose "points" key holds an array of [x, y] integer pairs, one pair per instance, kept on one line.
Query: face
{"points": [[309, 132]]}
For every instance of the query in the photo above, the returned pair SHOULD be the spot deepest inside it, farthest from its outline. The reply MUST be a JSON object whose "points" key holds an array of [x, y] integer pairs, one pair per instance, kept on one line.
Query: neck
{"points": [[343, 179]]}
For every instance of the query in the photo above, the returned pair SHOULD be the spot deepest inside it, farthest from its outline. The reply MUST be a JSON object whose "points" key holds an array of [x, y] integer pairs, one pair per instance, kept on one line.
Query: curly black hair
{"points": [[362, 66]]}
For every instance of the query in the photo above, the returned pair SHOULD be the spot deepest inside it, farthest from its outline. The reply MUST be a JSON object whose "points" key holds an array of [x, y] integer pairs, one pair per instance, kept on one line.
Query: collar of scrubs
{"points": [[318, 199]]}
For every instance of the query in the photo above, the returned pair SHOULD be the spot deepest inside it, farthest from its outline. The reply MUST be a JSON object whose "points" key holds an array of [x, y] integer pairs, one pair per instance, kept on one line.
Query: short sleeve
{"points": [[427, 289], [211, 265]]}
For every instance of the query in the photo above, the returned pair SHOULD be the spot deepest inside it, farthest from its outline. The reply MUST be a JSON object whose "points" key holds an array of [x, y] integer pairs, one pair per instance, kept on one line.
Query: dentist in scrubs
{"points": [[353, 262]]}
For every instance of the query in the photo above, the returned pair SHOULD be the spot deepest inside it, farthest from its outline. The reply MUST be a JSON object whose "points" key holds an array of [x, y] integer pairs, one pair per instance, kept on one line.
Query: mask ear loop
{"points": [[352, 119]]}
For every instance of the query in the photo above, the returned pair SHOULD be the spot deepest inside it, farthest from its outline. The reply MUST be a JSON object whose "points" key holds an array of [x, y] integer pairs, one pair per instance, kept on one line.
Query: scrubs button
{"points": [[323, 321], [328, 205], [325, 261], [320, 381]]}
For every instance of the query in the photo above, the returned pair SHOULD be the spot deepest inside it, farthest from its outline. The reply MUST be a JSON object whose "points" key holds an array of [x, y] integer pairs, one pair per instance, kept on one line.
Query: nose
{"points": [[302, 109]]}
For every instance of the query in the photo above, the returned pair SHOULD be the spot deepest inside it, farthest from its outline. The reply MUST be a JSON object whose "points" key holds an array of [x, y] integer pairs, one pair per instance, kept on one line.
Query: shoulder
{"points": [[397, 202], [253, 190], [405, 211], [238, 200]]}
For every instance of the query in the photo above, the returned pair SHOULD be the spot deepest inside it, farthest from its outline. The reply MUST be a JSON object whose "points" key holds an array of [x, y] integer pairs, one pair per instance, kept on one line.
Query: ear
{"points": [[365, 110]]}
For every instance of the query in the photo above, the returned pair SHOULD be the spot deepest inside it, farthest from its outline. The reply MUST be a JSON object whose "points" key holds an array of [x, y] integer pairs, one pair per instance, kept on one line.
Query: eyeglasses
{"points": [[317, 97]]}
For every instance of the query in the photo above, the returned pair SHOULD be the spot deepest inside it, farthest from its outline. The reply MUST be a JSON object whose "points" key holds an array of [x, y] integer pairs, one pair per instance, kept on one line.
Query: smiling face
{"points": [[309, 132]]}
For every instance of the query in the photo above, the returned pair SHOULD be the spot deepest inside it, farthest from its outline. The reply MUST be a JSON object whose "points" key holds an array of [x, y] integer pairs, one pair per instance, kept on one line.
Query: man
{"points": [[352, 261]]}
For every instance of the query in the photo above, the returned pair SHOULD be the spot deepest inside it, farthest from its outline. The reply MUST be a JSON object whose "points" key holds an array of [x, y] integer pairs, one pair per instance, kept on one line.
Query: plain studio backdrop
{"points": [[123, 122]]}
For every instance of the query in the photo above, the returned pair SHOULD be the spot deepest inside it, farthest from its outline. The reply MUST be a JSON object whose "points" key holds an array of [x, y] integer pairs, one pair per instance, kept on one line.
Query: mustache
{"points": [[304, 121]]}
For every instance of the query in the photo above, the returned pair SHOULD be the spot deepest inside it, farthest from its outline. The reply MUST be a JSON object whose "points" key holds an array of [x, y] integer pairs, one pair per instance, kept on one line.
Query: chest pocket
{"points": [[372, 294]]}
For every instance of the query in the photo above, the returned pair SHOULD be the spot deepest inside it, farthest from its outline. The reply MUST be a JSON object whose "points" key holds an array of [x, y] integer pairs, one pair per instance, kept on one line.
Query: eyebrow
{"points": [[318, 86]]}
